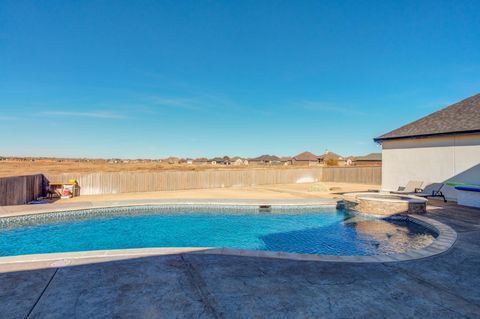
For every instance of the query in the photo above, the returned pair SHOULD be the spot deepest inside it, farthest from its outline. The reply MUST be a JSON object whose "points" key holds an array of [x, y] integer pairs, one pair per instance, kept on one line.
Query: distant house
{"points": [[237, 160], [330, 157], [172, 160], [216, 161], [201, 161], [305, 158], [266, 160], [443, 146], [371, 159], [349, 160], [286, 160], [226, 160]]}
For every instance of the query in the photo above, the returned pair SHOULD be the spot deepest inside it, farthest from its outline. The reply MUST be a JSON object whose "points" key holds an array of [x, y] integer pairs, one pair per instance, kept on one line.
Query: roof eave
{"points": [[381, 139]]}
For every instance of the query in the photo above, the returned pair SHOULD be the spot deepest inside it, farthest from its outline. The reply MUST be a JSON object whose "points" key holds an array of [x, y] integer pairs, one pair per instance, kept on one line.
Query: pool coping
{"points": [[446, 238], [374, 196], [23, 210]]}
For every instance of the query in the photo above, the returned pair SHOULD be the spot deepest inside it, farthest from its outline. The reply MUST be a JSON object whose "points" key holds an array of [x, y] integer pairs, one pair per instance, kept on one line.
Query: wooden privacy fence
{"points": [[18, 190], [126, 182], [362, 175]]}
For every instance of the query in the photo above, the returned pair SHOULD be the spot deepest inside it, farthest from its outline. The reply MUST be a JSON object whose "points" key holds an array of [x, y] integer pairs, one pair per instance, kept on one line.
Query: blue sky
{"points": [[149, 79]]}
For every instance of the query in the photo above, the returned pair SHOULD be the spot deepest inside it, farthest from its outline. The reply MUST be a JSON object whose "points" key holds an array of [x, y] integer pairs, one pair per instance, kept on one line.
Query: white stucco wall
{"points": [[434, 159]]}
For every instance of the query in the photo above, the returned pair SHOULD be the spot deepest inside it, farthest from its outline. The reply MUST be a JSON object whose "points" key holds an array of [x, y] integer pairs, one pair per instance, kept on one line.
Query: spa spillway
{"points": [[385, 204]]}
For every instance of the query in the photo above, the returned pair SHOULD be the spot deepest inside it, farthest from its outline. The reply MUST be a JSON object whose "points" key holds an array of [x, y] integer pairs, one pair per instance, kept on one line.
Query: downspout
{"points": [[454, 150]]}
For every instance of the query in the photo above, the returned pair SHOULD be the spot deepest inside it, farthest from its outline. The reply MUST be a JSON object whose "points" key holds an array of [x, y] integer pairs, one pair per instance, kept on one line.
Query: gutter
{"points": [[379, 140]]}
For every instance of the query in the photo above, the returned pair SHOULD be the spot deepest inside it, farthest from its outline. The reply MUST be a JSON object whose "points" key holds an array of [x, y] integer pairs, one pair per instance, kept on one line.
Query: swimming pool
{"points": [[319, 230]]}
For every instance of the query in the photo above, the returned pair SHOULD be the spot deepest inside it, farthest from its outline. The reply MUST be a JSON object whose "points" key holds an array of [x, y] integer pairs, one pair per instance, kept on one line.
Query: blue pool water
{"points": [[326, 231]]}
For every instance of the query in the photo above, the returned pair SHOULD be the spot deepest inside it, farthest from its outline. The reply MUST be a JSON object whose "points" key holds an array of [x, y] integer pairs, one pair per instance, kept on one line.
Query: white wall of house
{"points": [[434, 159]]}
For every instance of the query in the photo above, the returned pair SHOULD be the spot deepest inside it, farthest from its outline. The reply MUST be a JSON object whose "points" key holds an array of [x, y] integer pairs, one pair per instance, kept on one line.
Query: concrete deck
{"points": [[219, 286], [302, 193]]}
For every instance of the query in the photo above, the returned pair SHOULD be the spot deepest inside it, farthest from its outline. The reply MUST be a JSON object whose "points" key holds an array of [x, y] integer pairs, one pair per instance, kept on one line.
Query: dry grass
{"points": [[44, 166]]}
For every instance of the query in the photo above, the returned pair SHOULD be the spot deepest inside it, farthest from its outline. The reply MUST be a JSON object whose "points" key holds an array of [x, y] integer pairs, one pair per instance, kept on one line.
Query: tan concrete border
{"points": [[445, 239]]}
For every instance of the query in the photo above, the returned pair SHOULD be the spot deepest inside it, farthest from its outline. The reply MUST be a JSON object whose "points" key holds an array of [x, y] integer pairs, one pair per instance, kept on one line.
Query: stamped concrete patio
{"points": [[216, 286]]}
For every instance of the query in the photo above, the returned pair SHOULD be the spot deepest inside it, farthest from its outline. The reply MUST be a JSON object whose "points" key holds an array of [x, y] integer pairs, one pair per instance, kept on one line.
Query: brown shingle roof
{"points": [[266, 158], [305, 156], [461, 117], [369, 157], [329, 155]]}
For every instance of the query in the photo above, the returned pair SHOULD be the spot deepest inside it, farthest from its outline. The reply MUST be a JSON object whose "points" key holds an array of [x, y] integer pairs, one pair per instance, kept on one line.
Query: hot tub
{"points": [[385, 204]]}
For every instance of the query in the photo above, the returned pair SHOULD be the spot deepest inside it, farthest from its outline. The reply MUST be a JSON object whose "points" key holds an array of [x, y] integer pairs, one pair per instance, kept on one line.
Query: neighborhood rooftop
{"points": [[328, 155], [461, 117], [266, 157], [369, 157], [305, 156]]}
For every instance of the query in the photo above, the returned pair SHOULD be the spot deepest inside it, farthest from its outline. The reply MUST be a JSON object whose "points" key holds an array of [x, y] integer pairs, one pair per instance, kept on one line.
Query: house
{"points": [[266, 160], [237, 161], [349, 160], [372, 159], [443, 146], [201, 161], [216, 161], [286, 160], [226, 160], [331, 158], [305, 158], [172, 160]]}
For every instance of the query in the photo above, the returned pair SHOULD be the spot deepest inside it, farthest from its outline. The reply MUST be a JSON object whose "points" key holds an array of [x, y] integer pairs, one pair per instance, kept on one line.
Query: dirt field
{"points": [[281, 191], [309, 191], [17, 168]]}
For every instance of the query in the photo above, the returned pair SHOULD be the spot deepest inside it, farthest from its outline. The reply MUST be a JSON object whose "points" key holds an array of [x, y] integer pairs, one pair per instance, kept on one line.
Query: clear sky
{"points": [[150, 79]]}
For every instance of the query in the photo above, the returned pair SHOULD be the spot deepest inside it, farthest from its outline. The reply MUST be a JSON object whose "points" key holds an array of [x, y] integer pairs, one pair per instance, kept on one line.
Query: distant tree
{"points": [[332, 162], [226, 158]]}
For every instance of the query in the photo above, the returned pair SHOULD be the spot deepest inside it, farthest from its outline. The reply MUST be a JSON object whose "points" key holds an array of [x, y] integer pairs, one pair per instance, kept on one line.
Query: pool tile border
{"points": [[446, 238], [23, 210]]}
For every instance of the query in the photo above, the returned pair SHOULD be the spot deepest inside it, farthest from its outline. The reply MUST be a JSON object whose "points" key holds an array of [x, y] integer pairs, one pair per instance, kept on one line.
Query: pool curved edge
{"points": [[446, 238]]}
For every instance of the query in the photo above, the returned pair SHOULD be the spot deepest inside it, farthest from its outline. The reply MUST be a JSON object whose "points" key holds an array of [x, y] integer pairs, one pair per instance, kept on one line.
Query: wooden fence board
{"points": [[18, 190], [126, 182]]}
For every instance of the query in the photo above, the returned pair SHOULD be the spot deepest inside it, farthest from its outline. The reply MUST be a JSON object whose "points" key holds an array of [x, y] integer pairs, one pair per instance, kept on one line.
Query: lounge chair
{"points": [[432, 190], [411, 187]]}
